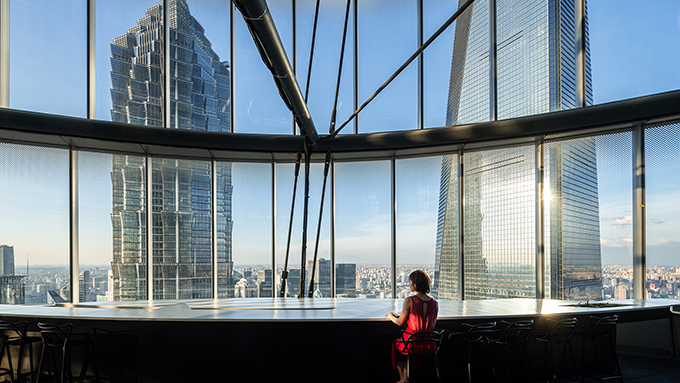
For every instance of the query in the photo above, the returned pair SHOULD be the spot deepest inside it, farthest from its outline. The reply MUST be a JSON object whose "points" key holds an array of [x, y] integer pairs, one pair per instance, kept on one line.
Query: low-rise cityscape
{"points": [[45, 284]]}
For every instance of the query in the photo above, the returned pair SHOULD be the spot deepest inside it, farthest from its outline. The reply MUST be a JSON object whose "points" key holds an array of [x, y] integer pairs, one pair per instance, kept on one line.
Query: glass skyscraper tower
{"points": [[536, 73], [181, 189]]}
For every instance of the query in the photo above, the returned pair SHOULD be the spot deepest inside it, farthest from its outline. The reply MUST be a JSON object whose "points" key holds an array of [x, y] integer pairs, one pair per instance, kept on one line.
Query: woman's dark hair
{"points": [[421, 281]]}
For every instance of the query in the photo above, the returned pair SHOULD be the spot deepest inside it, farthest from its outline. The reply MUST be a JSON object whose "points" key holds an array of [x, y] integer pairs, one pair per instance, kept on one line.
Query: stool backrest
{"points": [[516, 332], [480, 332], [603, 326], [560, 330], [422, 342], [11, 331], [55, 335]]}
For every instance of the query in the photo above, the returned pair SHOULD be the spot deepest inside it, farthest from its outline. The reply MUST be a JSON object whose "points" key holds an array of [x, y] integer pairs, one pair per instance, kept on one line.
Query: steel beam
{"points": [[639, 215]]}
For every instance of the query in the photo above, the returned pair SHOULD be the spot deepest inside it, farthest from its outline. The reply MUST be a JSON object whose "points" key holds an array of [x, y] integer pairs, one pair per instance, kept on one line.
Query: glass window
{"points": [[112, 226], [182, 227], [662, 151], [576, 186], [129, 43], [630, 62], [34, 225], [258, 106], [252, 237], [500, 235], [418, 183], [388, 36], [285, 175], [48, 56], [325, 62], [442, 86], [362, 225]]}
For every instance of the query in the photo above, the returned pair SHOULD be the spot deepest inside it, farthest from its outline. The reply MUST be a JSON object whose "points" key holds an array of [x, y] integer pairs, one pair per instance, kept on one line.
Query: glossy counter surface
{"points": [[317, 309]]}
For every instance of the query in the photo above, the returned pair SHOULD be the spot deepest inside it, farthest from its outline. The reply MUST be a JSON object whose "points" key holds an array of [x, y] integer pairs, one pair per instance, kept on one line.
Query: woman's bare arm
{"points": [[405, 311]]}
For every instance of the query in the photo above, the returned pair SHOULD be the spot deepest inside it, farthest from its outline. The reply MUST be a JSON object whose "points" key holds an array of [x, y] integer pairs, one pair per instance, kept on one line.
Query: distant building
{"points": [[264, 283], [322, 277], [6, 260], [346, 280]]}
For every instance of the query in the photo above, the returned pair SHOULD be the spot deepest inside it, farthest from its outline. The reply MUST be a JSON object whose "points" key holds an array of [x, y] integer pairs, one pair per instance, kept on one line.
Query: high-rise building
{"points": [[265, 280], [346, 280], [322, 277], [181, 192], [536, 73], [6, 260]]}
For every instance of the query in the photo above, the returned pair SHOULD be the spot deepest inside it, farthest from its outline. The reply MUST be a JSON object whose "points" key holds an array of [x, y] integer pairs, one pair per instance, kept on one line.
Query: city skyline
{"points": [[614, 222]]}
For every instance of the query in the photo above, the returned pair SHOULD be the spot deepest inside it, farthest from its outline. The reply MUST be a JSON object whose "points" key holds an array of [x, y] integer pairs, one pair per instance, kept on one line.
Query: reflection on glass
{"points": [[48, 57], [285, 175], [34, 225], [252, 237], [417, 184], [631, 62], [572, 199], [662, 151], [95, 204], [324, 73], [259, 107], [362, 227], [388, 36], [500, 243], [614, 164]]}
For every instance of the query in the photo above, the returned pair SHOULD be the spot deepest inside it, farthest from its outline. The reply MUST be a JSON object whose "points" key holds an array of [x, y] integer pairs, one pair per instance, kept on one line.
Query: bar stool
{"points": [[421, 346], [13, 335], [478, 338], [515, 337], [61, 338], [602, 331], [558, 333]]}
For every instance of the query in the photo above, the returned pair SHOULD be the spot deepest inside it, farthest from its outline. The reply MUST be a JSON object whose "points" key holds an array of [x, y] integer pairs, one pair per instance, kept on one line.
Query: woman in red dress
{"points": [[420, 314]]}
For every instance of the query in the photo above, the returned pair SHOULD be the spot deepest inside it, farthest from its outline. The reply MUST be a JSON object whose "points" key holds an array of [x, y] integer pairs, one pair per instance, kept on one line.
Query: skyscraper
{"points": [[6, 260], [181, 189], [346, 280], [536, 73]]}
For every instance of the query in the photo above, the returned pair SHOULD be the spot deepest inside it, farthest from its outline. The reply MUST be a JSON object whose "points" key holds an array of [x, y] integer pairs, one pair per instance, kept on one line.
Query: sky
{"points": [[634, 51]]}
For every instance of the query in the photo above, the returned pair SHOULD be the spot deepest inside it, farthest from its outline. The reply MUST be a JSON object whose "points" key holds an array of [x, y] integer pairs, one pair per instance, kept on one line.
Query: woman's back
{"points": [[423, 315]]}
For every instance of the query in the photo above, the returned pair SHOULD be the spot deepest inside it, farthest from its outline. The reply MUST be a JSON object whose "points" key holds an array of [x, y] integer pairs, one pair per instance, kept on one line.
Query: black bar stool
{"points": [[478, 338], [13, 335], [515, 337], [558, 334], [62, 339], [421, 346], [602, 332]]}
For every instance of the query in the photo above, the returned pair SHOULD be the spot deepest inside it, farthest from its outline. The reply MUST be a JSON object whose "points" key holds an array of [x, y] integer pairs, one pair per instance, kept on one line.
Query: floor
{"points": [[639, 369]]}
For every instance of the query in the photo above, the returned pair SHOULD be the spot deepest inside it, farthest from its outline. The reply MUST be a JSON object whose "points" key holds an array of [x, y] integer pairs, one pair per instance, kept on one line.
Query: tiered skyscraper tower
{"points": [[536, 73], [181, 189]]}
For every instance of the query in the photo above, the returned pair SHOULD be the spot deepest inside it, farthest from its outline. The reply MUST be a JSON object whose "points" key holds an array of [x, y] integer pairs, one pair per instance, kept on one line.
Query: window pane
{"points": [[500, 236], [572, 201], [182, 228], [447, 273], [327, 49], [662, 169], [252, 235], [614, 181], [96, 221], [285, 175], [388, 36], [651, 57], [536, 65], [258, 106], [417, 184], [438, 59], [34, 225], [468, 95], [362, 227], [129, 93], [48, 56]]}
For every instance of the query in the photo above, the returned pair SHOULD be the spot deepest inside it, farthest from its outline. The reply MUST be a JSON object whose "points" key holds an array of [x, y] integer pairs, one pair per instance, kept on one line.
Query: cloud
{"points": [[622, 222], [623, 241], [654, 221], [610, 218], [660, 242]]}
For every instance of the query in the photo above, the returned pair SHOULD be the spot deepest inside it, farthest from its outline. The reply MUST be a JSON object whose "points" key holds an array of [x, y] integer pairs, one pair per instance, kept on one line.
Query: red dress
{"points": [[416, 322]]}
